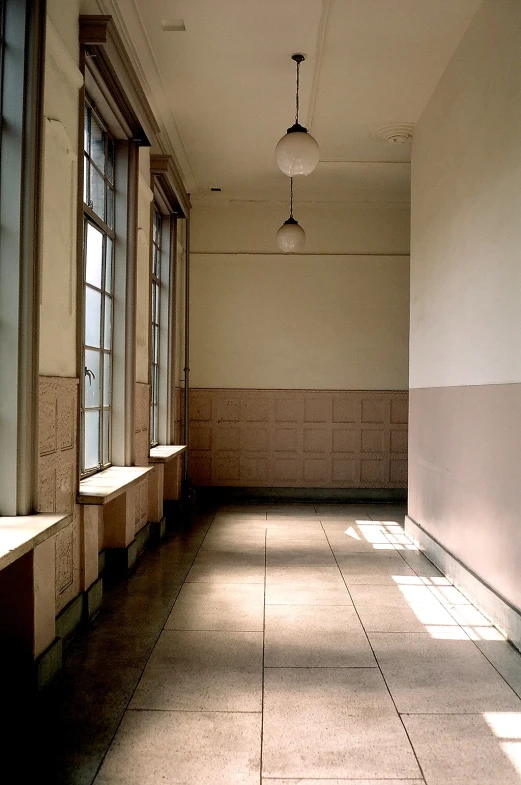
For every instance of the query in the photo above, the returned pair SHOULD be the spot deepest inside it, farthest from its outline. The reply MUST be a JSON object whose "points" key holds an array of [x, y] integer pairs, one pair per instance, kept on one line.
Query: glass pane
{"points": [[94, 255], [106, 437], [92, 317], [108, 265], [155, 375], [97, 193], [107, 379], [110, 160], [154, 302], [97, 144], [86, 169], [91, 440], [86, 132], [107, 333], [110, 207], [155, 339], [92, 380], [153, 424]]}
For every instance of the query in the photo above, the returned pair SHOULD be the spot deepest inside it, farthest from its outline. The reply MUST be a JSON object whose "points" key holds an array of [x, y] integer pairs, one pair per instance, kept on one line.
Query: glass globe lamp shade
{"points": [[297, 153], [291, 237]]}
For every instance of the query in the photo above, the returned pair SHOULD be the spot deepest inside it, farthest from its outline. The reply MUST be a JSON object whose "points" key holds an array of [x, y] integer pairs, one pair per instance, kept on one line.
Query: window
{"points": [[155, 326], [98, 295], [22, 25]]}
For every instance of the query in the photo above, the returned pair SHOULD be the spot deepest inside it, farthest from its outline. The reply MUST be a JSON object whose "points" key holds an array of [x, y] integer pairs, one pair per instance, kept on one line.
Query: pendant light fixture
{"points": [[297, 153], [291, 237]]}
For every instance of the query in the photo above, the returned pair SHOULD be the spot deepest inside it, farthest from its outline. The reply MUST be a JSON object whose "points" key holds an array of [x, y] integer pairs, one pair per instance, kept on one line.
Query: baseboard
{"points": [[70, 618], [49, 664], [119, 562], [92, 599], [504, 615], [310, 495], [158, 530]]}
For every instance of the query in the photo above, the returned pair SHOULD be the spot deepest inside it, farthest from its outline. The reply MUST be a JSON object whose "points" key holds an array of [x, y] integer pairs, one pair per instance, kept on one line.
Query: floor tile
{"points": [[295, 531], [283, 552], [203, 671], [297, 594], [312, 637], [459, 749], [299, 781], [188, 748], [429, 675], [386, 609], [345, 511], [504, 658], [306, 576], [218, 606], [378, 568], [332, 722], [227, 567]]}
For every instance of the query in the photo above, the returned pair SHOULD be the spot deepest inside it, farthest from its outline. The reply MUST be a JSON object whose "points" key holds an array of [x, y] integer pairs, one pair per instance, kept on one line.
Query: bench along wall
{"points": [[282, 347]]}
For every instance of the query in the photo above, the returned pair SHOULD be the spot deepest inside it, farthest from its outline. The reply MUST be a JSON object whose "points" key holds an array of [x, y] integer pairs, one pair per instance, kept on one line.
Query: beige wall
{"points": [[334, 318], [466, 202], [59, 194], [464, 454]]}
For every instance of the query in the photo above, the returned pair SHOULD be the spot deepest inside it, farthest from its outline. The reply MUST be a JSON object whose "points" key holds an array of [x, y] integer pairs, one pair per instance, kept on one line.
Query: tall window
{"points": [[155, 334], [98, 277]]}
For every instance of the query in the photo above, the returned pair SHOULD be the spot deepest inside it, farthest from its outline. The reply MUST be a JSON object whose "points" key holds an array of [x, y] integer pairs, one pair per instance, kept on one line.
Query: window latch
{"points": [[89, 375]]}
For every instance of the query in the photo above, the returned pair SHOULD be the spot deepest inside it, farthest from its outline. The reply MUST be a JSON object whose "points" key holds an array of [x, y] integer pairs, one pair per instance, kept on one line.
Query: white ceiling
{"points": [[225, 87]]}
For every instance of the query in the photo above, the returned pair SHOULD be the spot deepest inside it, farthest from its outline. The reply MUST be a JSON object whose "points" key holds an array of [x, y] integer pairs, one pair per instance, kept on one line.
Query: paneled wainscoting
{"points": [[299, 438]]}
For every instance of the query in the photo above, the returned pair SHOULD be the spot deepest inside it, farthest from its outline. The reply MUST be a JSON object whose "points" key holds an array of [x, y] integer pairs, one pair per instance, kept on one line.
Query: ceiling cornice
{"points": [[169, 141]]}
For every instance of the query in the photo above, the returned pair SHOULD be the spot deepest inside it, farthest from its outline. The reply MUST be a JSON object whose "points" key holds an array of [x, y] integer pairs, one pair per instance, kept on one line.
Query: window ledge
{"points": [[164, 453], [104, 486], [20, 534]]}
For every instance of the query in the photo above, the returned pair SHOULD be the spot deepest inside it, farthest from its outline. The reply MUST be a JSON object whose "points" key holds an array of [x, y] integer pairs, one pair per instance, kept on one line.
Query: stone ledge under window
{"points": [[164, 453], [22, 533], [107, 485]]}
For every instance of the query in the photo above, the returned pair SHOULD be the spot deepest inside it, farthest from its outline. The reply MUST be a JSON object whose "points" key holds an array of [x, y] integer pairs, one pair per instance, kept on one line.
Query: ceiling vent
{"points": [[173, 25], [393, 133]]}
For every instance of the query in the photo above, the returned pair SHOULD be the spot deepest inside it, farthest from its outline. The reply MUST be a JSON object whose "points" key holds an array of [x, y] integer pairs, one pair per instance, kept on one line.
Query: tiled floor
{"points": [[289, 645]]}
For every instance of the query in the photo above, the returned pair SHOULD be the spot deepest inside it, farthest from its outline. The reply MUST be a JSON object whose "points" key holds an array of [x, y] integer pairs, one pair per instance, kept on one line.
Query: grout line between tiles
{"points": [[263, 655], [447, 608], [196, 711], [379, 667]]}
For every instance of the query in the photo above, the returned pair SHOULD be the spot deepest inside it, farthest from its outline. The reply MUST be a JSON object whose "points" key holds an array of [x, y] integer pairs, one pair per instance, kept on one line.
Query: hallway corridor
{"points": [[313, 644]]}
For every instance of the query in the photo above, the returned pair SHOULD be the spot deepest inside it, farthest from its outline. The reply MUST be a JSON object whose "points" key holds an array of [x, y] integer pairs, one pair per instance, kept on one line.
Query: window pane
{"points": [[86, 170], [155, 374], [97, 143], [97, 193], [108, 265], [107, 379], [110, 161], [107, 334], [92, 440], [110, 207], [155, 329], [92, 379], [94, 255], [86, 132], [92, 317], [106, 437]]}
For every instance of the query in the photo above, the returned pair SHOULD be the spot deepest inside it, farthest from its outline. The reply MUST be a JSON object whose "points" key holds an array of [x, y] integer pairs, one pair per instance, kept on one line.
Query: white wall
{"points": [[466, 207], [465, 398], [335, 317]]}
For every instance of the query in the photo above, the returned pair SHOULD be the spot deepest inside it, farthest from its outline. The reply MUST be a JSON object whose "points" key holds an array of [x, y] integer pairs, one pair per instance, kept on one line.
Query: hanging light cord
{"points": [[291, 197], [297, 96]]}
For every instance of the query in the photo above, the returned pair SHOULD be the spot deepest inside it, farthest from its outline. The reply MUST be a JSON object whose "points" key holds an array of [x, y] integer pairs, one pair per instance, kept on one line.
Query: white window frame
{"points": [[114, 89], [101, 379], [23, 35]]}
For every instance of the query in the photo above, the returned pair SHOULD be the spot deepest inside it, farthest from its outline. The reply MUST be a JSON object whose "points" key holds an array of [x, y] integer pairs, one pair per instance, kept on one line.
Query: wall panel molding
{"points": [[299, 438], [58, 476]]}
